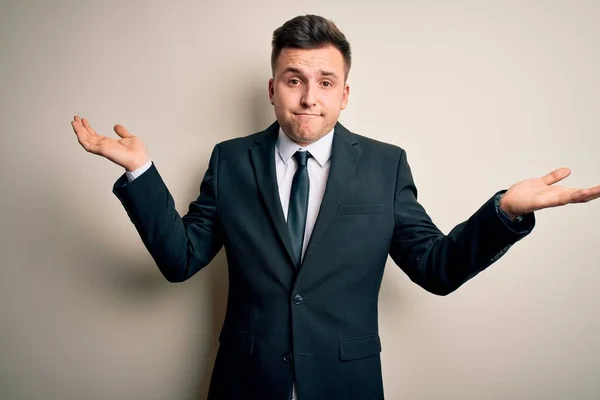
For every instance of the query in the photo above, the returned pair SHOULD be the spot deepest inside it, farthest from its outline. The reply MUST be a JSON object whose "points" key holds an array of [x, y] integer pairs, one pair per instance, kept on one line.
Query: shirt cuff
{"points": [[131, 176]]}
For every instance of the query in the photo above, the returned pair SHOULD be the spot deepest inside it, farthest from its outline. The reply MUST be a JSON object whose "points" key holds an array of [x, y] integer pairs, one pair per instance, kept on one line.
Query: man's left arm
{"points": [[442, 263]]}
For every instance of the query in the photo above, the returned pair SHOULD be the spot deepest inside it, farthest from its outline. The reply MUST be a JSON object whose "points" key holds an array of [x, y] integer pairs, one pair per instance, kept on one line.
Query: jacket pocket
{"points": [[239, 340], [356, 209], [362, 347]]}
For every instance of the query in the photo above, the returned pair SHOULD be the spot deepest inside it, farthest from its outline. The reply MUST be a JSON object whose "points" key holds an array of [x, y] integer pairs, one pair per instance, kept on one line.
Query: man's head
{"points": [[310, 61]]}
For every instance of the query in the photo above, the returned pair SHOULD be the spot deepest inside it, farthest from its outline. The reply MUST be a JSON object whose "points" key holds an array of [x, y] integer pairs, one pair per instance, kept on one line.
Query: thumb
{"points": [[122, 131], [556, 176]]}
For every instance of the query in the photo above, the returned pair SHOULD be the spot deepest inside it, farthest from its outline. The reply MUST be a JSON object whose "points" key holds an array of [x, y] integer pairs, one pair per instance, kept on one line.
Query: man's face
{"points": [[308, 91]]}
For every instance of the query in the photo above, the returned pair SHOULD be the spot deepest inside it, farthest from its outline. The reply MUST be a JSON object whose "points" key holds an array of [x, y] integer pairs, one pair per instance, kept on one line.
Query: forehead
{"points": [[326, 58]]}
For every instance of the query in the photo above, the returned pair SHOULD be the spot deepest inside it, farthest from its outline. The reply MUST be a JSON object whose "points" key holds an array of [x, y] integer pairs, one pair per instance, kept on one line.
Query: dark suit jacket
{"points": [[314, 323]]}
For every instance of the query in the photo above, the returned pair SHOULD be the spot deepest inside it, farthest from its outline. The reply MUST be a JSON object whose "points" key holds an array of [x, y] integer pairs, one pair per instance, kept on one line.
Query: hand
{"points": [[129, 152], [537, 193]]}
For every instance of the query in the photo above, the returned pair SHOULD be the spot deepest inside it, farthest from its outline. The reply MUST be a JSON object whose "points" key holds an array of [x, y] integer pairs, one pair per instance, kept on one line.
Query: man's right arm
{"points": [[179, 246]]}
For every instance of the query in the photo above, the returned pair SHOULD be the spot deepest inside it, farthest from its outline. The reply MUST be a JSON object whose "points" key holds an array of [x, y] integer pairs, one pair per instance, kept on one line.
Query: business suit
{"points": [[314, 323]]}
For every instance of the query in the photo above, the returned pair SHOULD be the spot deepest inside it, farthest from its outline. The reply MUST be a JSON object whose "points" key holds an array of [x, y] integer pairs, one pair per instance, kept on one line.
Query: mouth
{"points": [[306, 115]]}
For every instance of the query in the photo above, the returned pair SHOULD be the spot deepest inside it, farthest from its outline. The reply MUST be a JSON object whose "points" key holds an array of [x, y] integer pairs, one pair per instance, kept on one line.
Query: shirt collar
{"points": [[320, 150]]}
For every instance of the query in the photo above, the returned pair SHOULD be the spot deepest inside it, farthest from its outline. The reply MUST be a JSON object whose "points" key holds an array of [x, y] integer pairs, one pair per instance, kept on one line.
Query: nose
{"points": [[309, 96]]}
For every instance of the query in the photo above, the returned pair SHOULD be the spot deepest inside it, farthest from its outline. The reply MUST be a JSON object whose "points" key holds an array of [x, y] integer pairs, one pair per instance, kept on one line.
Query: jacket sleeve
{"points": [[179, 246], [441, 263]]}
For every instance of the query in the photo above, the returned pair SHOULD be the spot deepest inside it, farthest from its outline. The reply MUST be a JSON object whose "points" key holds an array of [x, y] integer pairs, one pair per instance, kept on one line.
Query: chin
{"points": [[306, 136], [303, 133]]}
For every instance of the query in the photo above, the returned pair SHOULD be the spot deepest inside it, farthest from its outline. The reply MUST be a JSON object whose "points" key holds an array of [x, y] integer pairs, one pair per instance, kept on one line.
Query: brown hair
{"points": [[309, 32]]}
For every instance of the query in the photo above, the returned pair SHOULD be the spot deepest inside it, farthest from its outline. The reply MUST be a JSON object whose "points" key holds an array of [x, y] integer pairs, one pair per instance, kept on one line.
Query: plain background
{"points": [[481, 94]]}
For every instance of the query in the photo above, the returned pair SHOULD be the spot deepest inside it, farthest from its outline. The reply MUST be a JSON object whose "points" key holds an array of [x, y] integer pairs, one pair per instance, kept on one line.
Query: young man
{"points": [[308, 212]]}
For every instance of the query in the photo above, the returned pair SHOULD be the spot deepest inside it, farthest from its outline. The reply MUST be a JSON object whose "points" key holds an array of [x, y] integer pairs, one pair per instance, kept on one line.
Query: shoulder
{"points": [[235, 147], [370, 146], [241, 143]]}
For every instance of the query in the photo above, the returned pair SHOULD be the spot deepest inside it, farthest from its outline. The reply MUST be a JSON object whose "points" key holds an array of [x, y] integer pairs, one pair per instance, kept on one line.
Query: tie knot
{"points": [[302, 158]]}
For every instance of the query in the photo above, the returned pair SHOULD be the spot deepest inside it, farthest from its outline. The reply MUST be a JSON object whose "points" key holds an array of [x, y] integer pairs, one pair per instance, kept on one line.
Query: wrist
{"points": [[507, 210], [137, 164]]}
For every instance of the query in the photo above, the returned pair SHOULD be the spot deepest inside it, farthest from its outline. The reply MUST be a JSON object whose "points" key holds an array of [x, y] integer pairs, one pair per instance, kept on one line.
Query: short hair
{"points": [[309, 32]]}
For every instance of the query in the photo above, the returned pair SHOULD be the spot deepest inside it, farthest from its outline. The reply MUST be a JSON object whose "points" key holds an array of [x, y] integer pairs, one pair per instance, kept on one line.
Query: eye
{"points": [[327, 84], [294, 81]]}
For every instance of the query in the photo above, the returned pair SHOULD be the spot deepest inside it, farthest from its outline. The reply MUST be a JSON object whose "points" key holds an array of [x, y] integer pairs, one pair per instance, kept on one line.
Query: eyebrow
{"points": [[329, 73], [297, 71]]}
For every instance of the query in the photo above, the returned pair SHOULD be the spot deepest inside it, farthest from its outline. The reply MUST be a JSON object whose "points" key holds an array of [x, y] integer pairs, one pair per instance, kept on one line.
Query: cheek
{"points": [[333, 103], [282, 102], [282, 97]]}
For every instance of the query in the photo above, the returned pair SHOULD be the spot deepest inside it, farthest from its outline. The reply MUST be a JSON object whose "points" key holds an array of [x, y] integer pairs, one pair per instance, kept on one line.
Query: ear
{"points": [[271, 91], [345, 96]]}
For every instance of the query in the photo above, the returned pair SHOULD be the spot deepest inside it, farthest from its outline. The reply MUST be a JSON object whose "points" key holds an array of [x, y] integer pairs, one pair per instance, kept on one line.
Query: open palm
{"points": [[538, 193], [128, 152]]}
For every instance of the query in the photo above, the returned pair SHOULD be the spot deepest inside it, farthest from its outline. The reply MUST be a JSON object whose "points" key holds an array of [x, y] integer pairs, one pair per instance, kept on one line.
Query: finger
{"points": [[91, 145], [576, 196], [556, 176], [80, 130], [589, 194], [563, 196], [590, 198], [122, 131], [77, 121], [90, 142], [87, 125]]}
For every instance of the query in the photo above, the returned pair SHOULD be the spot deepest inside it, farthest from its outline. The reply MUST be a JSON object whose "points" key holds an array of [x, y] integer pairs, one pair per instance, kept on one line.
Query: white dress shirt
{"points": [[285, 166]]}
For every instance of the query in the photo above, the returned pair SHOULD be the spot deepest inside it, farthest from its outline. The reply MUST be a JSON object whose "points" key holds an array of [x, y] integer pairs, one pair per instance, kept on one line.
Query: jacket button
{"points": [[298, 299], [287, 357]]}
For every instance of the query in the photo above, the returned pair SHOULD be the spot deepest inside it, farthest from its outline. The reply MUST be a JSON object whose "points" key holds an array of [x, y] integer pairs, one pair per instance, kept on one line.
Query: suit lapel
{"points": [[344, 158], [263, 160]]}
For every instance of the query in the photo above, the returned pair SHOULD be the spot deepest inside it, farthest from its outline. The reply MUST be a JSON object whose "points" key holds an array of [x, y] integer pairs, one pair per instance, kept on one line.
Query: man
{"points": [[308, 212]]}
